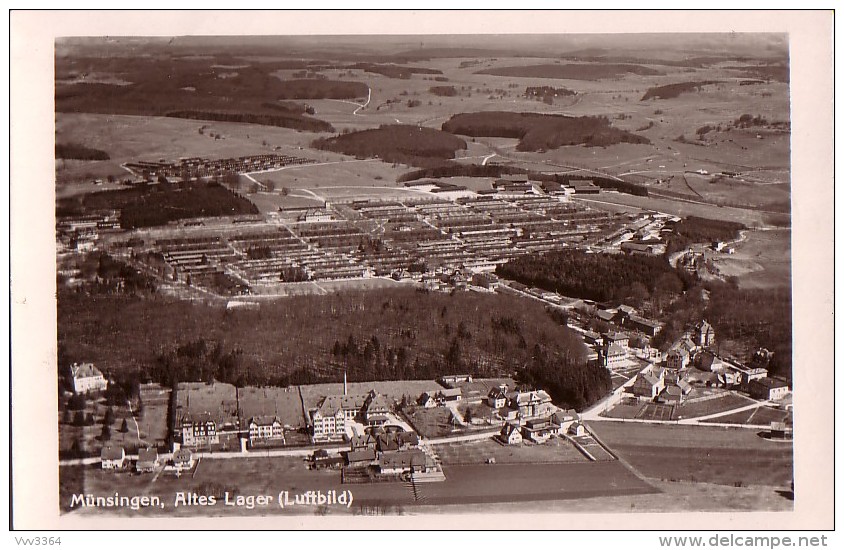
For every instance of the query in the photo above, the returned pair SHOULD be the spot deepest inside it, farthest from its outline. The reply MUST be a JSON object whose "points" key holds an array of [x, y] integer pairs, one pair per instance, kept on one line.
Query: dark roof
{"points": [[182, 455], [360, 456], [147, 455], [769, 383], [112, 452]]}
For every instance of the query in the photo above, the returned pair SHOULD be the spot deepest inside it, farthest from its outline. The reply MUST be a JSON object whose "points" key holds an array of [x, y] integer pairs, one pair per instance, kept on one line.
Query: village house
{"points": [[649, 383], [767, 388], [264, 429], [539, 430], [613, 356], [618, 338], [677, 359], [675, 392], [565, 418], [402, 461], [183, 459], [497, 397], [362, 442], [704, 334], [511, 434], [199, 430], [112, 457], [87, 378], [361, 458], [375, 409], [530, 404], [147, 460], [427, 401]]}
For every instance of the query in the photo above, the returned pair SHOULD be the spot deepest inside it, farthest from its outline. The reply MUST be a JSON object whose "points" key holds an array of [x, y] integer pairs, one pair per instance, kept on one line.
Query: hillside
{"points": [[194, 88], [395, 143], [396, 334], [537, 131]]}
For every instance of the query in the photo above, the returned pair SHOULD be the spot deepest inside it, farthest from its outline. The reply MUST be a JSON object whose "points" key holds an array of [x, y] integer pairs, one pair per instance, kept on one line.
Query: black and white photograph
{"points": [[321, 277]]}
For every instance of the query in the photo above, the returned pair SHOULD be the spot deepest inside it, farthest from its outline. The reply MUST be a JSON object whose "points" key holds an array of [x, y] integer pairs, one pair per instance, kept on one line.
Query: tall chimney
{"points": [[345, 387]]}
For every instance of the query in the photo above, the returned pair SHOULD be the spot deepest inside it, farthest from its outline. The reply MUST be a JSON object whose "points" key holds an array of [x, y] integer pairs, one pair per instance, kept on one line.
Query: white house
{"points": [[87, 378], [112, 457], [511, 434]]}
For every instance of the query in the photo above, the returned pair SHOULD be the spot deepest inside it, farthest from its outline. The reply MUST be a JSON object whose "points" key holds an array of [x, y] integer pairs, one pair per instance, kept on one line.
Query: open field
{"points": [[750, 218], [760, 416], [725, 402], [556, 450], [268, 401], [130, 138], [672, 497], [153, 419], [430, 423], [761, 261], [702, 454]]}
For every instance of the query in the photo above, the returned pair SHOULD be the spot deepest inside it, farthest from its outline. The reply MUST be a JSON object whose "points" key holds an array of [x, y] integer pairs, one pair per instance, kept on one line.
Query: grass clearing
{"points": [[555, 450], [726, 456]]}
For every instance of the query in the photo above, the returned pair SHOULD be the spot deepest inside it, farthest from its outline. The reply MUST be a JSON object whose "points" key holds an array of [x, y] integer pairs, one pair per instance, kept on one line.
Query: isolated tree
{"points": [[108, 419], [467, 417], [106, 433], [124, 427], [79, 418]]}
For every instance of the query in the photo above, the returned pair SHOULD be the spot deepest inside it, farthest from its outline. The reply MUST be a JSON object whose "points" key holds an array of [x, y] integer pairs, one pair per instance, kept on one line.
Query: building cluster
{"points": [[223, 417], [415, 237], [540, 430], [202, 167], [335, 413], [81, 233], [519, 406], [114, 458]]}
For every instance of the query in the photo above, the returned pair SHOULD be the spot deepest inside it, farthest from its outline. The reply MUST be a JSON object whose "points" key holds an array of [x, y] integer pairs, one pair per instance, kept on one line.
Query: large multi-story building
{"points": [[87, 378], [330, 418]]}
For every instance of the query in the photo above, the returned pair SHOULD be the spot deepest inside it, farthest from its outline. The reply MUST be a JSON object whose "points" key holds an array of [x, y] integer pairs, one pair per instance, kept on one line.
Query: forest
{"points": [[445, 91], [75, 151], [694, 229], [673, 90], [391, 335], [294, 121], [159, 204], [573, 71], [395, 143], [158, 86], [393, 71], [538, 132], [611, 278]]}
